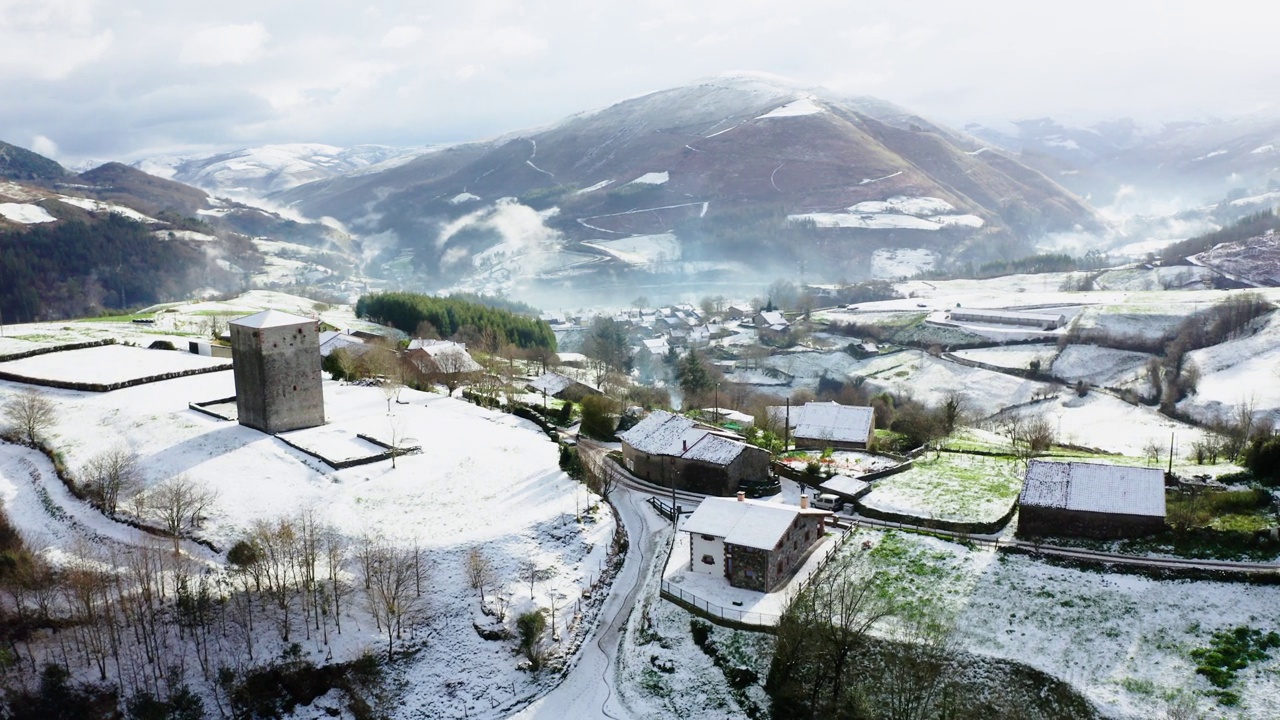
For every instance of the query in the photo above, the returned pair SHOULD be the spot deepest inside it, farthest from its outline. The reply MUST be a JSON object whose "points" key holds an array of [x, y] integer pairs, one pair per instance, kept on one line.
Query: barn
{"points": [[754, 544], [820, 425], [1043, 321], [1091, 500], [672, 450]]}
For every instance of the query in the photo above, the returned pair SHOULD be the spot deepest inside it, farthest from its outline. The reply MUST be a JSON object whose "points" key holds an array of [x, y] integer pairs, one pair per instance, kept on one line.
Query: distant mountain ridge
{"points": [[735, 169], [260, 171]]}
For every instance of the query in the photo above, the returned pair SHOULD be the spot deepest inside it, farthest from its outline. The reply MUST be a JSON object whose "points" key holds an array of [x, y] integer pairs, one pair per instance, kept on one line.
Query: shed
{"points": [[819, 425], [1091, 500]]}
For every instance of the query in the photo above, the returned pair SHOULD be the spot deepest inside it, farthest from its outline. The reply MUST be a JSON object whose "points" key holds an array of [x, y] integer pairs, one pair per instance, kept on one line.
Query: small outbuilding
{"points": [[1042, 321], [754, 544], [561, 386], [1091, 500]]}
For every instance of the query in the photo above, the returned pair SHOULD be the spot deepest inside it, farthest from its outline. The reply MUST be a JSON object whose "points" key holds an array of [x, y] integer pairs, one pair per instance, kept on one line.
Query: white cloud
{"points": [[44, 146], [225, 45], [401, 36]]}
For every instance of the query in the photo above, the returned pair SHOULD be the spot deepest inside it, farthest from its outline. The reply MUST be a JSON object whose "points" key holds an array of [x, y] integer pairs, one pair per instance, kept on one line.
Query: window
{"points": [[708, 560], [709, 538]]}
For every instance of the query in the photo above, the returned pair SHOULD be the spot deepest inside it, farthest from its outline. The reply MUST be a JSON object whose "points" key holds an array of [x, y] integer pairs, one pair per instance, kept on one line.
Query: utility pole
{"points": [[1171, 453], [786, 429]]}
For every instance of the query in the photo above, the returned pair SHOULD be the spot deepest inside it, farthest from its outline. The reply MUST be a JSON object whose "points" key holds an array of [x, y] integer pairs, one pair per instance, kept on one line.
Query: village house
{"points": [[561, 386], [1091, 500], [771, 325], [821, 425], [756, 545], [331, 340], [440, 357], [672, 450]]}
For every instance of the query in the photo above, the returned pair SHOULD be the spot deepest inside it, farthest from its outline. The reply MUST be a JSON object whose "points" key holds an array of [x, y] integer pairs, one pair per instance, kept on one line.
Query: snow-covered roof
{"points": [[828, 421], [747, 523], [554, 383], [655, 345], [1009, 316], [331, 340], [436, 349], [270, 318], [664, 433], [772, 318], [1093, 487], [845, 485]]}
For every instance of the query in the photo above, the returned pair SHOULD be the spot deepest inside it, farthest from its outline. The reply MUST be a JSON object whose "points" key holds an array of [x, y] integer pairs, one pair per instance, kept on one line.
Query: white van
{"points": [[827, 501]]}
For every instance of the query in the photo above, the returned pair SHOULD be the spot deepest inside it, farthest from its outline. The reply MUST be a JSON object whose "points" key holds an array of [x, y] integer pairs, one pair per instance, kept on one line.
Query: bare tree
{"points": [[111, 475], [29, 414], [1153, 451], [179, 504], [598, 475], [390, 580], [480, 571]]}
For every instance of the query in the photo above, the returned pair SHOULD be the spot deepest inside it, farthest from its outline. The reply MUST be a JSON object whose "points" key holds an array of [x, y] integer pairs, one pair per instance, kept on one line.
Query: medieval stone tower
{"points": [[276, 361]]}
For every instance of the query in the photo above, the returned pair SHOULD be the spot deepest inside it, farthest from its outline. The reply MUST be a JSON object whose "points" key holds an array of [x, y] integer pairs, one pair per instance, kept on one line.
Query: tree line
{"points": [[407, 311]]}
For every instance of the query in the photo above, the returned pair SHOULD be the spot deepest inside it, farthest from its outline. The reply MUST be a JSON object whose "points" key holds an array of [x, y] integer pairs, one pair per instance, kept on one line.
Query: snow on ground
{"points": [[14, 191], [188, 235], [1188, 277], [808, 367], [463, 197], [795, 108], [482, 479], [1106, 422], [930, 380], [841, 462], [652, 178], [868, 221], [1264, 198], [950, 486], [1122, 640], [99, 206], [641, 249], [1100, 366], [592, 188], [108, 364], [919, 206], [1239, 372], [1146, 319], [901, 262], [25, 213], [1011, 356]]}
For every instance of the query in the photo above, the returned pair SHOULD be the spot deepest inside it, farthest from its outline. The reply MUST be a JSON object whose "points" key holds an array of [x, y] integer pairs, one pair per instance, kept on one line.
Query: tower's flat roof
{"points": [[270, 318]]}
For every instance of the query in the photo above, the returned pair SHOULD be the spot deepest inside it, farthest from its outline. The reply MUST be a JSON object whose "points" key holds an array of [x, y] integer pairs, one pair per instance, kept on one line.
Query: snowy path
{"points": [[588, 691], [50, 518]]}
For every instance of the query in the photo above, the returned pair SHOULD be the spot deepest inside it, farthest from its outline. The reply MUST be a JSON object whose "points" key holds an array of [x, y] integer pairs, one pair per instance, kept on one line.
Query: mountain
{"points": [[257, 172], [21, 164], [1122, 162], [733, 176]]}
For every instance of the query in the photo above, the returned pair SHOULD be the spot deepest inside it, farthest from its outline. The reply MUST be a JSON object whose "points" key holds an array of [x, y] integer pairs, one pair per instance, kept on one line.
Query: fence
{"points": [[732, 617]]}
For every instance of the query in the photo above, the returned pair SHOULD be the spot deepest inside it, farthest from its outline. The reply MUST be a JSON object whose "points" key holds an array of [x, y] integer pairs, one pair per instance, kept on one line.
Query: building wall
{"points": [[277, 374], [706, 546], [1036, 521], [823, 444], [761, 570]]}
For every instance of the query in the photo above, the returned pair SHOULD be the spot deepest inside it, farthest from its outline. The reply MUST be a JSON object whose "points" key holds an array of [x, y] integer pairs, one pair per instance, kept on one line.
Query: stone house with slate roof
{"points": [[754, 544], [672, 450], [1091, 500]]}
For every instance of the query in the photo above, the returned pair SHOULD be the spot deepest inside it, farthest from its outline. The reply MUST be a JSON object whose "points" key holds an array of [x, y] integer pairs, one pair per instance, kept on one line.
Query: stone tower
{"points": [[276, 361]]}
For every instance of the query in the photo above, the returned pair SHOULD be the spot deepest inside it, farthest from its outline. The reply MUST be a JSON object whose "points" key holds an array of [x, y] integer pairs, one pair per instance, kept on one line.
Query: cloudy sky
{"points": [[122, 79]]}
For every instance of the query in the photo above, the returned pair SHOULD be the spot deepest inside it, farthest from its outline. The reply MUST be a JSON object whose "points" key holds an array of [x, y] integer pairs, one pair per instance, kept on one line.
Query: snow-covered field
{"points": [[483, 479], [1124, 641], [99, 206], [641, 249], [930, 380], [1095, 365], [896, 263], [108, 364], [1239, 372], [1018, 357], [25, 213]]}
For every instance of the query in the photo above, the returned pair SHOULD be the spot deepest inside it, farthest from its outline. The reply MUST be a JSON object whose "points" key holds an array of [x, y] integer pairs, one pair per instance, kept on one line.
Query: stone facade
{"points": [[276, 361], [696, 476], [761, 570], [1034, 521]]}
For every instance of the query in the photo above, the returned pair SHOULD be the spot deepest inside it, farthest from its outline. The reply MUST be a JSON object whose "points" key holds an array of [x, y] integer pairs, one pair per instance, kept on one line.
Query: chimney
{"points": [[742, 497], [804, 501], [685, 443]]}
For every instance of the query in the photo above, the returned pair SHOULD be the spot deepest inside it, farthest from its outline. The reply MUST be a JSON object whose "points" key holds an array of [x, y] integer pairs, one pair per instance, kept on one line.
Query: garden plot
{"points": [[1124, 641], [1018, 357], [483, 479], [1100, 366], [950, 486], [108, 364], [840, 462]]}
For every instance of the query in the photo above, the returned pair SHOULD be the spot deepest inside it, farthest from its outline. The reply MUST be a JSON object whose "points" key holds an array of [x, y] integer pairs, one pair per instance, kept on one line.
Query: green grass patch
{"points": [[952, 486], [1229, 652]]}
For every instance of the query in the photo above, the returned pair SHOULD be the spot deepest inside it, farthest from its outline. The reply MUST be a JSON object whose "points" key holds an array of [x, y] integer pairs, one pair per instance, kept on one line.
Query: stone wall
{"points": [[1037, 521]]}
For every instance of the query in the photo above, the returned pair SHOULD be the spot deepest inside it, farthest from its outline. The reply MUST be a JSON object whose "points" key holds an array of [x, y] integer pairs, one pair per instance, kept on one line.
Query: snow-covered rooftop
{"points": [[664, 433], [270, 318], [845, 485], [828, 421], [748, 523], [1093, 487]]}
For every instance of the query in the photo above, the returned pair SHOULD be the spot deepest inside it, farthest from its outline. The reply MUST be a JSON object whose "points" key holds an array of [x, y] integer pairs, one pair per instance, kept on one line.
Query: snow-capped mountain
{"points": [[735, 175], [257, 172]]}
